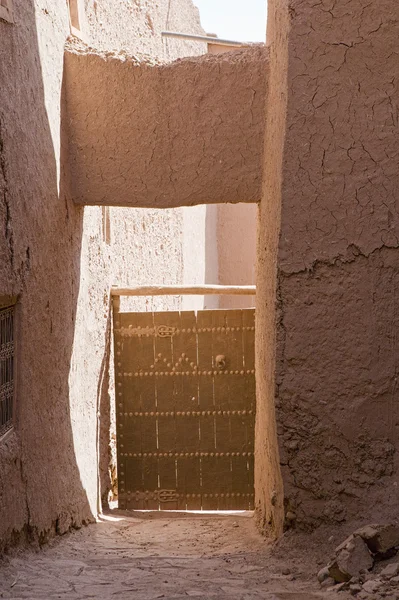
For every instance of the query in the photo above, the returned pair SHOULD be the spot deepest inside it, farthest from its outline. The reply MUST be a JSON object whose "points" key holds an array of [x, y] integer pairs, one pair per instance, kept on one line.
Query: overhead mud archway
{"points": [[165, 135]]}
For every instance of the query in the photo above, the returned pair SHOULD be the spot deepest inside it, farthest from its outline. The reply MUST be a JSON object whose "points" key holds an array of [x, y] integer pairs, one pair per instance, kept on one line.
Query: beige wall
{"points": [[181, 134], [200, 240], [236, 235], [53, 256], [56, 257], [269, 490], [334, 275], [326, 359]]}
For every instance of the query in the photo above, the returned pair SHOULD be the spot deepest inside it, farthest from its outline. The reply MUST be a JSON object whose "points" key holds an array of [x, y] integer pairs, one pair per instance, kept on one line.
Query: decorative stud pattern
{"points": [[185, 454], [190, 413], [166, 331], [188, 354], [172, 495], [195, 372]]}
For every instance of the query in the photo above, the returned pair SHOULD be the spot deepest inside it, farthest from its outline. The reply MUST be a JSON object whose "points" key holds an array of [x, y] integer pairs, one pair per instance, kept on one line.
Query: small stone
{"points": [[351, 559], [327, 583], [286, 571], [390, 571], [379, 538], [63, 523], [290, 516], [355, 588], [371, 586], [344, 544], [341, 586], [395, 580], [322, 574]]}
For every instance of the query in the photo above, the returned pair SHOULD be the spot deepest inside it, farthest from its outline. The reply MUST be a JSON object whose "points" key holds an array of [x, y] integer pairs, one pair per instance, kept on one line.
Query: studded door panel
{"points": [[185, 409]]}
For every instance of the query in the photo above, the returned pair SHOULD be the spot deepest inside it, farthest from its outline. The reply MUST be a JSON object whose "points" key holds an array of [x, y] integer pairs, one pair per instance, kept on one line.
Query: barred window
{"points": [[6, 368]]}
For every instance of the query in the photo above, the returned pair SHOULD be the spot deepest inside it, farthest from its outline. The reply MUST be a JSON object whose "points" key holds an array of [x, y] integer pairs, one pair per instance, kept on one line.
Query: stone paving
{"points": [[149, 556]]}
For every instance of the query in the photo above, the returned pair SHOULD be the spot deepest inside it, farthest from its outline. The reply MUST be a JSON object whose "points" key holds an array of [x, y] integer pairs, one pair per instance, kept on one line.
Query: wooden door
{"points": [[185, 409]]}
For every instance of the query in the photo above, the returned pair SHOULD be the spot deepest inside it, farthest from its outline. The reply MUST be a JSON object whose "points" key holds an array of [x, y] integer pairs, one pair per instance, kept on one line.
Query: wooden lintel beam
{"points": [[180, 290]]}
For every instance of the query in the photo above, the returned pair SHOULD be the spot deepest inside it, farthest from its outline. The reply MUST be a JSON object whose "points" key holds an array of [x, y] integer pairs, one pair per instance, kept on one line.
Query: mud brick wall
{"points": [[334, 262]]}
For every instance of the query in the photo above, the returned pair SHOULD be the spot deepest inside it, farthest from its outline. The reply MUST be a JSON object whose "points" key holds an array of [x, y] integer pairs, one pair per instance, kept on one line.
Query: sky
{"points": [[238, 20]]}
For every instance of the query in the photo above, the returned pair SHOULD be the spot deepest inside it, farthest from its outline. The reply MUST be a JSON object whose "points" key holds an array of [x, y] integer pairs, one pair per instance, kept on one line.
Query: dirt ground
{"points": [[144, 556]]}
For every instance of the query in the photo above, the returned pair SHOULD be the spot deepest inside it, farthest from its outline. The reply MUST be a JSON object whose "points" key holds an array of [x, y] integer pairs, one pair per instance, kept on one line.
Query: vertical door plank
{"points": [[204, 335], [240, 483], [216, 480], [167, 332], [235, 340], [150, 482], [248, 323], [206, 402], [166, 326], [251, 482], [187, 434], [207, 432], [168, 483], [136, 330], [149, 442], [132, 358], [166, 421], [188, 483], [133, 483]]}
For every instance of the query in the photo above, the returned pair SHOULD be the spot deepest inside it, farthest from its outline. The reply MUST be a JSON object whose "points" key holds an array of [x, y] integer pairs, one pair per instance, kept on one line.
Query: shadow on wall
{"points": [[106, 424], [42, 491], [230, 251], [211, 254]]}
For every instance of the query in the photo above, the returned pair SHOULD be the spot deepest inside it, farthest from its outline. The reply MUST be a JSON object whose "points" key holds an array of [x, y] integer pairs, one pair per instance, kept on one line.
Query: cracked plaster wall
{"points": [[53, 255], [185, 133], [337, 264]]}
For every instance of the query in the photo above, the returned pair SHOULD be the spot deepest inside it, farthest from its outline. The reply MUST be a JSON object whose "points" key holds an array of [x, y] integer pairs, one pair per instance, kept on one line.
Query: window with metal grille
{"points": [[6, 368]]}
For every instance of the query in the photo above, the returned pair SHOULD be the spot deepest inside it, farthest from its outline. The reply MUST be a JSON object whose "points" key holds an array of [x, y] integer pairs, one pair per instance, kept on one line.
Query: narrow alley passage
{"points": [[156, 556]]}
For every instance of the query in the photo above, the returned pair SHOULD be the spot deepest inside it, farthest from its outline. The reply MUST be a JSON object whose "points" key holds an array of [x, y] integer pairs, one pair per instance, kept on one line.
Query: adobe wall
{"points": [[185, 133], [53, 255], [336, 279], [269, 490], [236, 238]]}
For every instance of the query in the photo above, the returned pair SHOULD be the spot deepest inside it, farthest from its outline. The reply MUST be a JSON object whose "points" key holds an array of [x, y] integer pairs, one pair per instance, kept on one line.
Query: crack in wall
{"points": [[4, 193], [327, 471], [29, 529], [353, 252]]}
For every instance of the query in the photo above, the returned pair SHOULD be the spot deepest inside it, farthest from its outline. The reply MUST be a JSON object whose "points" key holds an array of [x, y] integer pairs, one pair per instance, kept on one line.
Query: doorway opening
{"points": [[185, 404]]}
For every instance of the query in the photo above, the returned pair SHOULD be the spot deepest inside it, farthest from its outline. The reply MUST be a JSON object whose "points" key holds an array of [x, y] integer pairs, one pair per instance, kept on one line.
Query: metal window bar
{"points": [[6, 369]]}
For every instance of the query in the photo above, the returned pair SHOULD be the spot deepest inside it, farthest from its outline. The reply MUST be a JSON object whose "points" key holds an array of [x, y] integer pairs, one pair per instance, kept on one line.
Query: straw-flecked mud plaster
{"points": [[269, 493], [337, 263], [53, 255], [185, 133]]}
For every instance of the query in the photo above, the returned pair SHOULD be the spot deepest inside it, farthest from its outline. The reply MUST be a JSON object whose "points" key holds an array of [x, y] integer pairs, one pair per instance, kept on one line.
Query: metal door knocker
{"points": [[220, 361]]}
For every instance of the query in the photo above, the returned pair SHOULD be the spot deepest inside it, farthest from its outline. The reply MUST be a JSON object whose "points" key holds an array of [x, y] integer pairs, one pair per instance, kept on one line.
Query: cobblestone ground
{"points": [[156, 556]]}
